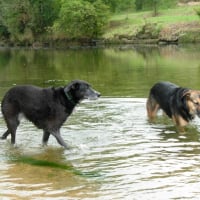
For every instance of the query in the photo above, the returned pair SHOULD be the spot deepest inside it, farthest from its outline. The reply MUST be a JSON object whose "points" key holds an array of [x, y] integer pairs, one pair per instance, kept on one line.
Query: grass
{"points": [[131, 23]]}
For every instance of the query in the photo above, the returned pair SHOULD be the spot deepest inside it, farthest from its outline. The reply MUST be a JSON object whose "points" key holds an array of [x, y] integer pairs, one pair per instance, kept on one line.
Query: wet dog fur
{"points": [[46, 108], [180, 104]]}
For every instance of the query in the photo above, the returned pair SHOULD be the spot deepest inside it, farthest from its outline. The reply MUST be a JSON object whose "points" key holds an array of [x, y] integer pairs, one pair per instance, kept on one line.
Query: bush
{"points": [[197, 10], [80, 19], [4, 31]]}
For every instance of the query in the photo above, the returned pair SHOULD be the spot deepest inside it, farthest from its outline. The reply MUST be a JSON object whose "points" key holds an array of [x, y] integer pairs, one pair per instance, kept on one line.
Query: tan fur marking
{"points": [[152, 108], [193, 101], [180, 122]]}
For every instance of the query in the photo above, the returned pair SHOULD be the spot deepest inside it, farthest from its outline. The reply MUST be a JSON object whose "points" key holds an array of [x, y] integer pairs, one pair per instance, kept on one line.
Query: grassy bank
{"points": [[181, 24], [177, 25]]}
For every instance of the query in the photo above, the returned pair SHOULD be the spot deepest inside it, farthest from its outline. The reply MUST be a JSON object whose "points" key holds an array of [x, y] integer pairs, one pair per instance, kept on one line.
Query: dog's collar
{"points": [[70, 98]]}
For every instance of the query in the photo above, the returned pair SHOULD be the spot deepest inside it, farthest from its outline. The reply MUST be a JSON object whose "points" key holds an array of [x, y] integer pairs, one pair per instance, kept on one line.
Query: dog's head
{"points": [[192, 98], [78, 90]]}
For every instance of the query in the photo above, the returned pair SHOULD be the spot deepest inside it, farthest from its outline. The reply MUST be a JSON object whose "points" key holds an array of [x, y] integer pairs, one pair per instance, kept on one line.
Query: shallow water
{"points": [[115, 154]]}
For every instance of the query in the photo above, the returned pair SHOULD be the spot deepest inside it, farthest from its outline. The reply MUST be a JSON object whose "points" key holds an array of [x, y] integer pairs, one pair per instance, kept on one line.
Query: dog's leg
{"points": [[45, 138], [152, 107], [59, 139], [180, 122], [12, 124], [4, 136]]}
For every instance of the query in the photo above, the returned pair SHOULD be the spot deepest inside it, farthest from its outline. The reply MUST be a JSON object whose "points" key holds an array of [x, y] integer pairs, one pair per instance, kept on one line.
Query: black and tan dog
{"points": [[180, 104], [47, 108]]}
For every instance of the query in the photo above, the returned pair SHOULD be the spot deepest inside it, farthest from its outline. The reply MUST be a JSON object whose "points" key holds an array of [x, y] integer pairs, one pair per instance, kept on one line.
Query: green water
{"points": [[117, 71], [115, 152]]}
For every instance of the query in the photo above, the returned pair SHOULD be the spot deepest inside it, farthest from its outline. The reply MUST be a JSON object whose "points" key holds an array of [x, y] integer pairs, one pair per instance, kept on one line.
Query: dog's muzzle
{"points": [[198, 113], [92, 94], [95, 96]]}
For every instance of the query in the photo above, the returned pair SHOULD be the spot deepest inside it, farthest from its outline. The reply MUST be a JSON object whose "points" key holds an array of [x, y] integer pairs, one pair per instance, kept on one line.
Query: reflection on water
{"points": [[115, 154], [118, 71]]}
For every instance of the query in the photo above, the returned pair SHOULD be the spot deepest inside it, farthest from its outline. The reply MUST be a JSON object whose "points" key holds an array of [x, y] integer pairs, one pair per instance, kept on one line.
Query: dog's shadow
{"points": [[49, 160], [48, 170]]}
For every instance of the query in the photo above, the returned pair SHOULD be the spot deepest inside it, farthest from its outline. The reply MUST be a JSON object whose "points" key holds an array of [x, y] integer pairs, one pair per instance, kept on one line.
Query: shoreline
{"points": [[173, 34]]}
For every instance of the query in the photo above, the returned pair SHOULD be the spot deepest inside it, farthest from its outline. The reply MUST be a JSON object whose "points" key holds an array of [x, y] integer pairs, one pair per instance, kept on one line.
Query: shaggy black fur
{"points": [[47, 108]]}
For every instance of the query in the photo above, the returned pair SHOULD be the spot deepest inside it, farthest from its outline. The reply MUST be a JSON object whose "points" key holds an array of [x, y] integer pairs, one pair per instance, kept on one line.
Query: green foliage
{"points": [[32, 16], [44, 14], [127, 5], [120, 5], [112, 4], [15, 16], [154, 4], [3, 31], [79, 19], [102, 13], [197, 10], [31, 20]]}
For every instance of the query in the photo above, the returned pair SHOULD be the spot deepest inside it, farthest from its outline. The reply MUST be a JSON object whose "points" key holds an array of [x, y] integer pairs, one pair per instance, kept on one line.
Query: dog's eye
{"points": [[196, 103]]}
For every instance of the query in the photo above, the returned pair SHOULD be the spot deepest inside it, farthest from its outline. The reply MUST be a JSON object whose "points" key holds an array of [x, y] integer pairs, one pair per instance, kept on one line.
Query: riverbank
{"points": [[178, 25]]}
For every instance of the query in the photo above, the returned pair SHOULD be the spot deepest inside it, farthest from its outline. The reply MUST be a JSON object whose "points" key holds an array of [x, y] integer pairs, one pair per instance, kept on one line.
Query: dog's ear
{"points": [[75, 86], [186, 94], [72, 86]]}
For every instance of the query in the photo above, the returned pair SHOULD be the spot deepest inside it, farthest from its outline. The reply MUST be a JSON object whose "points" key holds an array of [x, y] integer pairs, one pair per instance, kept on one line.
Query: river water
{"points": [[115, 152]]}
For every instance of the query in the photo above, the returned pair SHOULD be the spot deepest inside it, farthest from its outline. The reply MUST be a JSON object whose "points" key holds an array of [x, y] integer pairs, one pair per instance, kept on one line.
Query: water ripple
{"points": [[115, 154]]}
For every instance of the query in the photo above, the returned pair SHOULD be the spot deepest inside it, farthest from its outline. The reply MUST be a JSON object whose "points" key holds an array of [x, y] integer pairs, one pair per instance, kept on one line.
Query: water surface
{"points": [[115, 152]]}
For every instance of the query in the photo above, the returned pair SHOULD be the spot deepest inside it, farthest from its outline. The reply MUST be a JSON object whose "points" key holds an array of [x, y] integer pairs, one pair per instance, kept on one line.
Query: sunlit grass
{"points": [[170, 15], [132, 22]]}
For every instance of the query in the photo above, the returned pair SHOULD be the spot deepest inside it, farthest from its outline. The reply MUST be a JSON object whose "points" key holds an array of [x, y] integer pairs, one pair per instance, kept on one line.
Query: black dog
{"points": [[47, 108], [180, 104]]}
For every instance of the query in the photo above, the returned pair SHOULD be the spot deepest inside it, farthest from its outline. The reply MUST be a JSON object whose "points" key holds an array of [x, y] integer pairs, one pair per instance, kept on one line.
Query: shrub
{"points": [[80, 19], [197, 10]]}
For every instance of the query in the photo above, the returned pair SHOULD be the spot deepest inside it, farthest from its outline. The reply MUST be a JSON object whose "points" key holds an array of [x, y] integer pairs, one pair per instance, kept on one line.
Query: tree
{"points": [[155, 7], [44, 14], [154, 4], [81, 19], [112, 4], [197, 10], [15, 16], [147, 4], [102, 13], [20, 17], [139, 4], [3, 29], [120, 5]]}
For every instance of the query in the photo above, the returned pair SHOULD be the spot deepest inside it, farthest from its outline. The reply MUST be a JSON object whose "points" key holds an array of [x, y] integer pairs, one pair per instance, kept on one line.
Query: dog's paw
{"points": [[3, 138]]}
